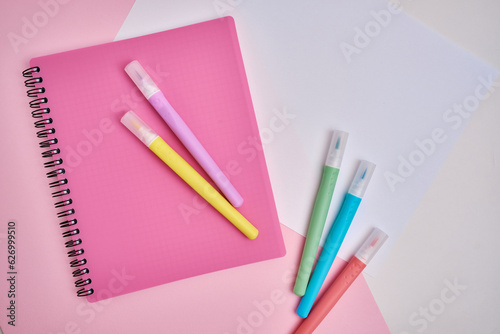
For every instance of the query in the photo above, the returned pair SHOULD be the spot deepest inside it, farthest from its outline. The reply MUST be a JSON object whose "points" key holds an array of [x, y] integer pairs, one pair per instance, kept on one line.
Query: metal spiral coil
{"points": [[55, 165]]}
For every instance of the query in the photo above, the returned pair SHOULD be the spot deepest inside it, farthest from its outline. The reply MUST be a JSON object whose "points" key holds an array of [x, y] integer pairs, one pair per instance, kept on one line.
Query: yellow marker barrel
{"points": [[180, 166], [202, 187]]}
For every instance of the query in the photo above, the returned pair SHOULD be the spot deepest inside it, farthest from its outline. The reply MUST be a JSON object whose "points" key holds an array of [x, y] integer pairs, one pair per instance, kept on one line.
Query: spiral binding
{"points": [[56, 171]]}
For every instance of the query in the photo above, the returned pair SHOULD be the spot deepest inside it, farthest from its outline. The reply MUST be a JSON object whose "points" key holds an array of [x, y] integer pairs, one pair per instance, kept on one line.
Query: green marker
{"points": [[320, 210]]}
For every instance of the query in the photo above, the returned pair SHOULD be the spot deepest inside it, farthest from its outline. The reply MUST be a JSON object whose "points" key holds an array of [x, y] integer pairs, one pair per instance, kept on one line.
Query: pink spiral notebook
{"points": [[129, 222]]}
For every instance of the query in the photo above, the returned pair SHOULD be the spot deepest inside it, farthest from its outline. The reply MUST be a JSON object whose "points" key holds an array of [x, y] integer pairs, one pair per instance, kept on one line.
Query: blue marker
{"points": [[336, 235]]}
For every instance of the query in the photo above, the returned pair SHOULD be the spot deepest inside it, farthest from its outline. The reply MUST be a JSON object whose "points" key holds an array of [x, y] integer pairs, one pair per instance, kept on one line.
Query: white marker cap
{"points": [[337, 148], [371, 245], [362, 178], [141, 79], [140, 129]]}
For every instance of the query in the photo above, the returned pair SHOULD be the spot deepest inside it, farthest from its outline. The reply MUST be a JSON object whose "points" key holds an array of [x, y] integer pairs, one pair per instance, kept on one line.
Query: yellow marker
{"points": [[156, 144]]}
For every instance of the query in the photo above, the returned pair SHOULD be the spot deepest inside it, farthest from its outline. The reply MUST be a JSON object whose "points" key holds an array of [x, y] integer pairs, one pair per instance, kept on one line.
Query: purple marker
{"points": [[153, 94]]}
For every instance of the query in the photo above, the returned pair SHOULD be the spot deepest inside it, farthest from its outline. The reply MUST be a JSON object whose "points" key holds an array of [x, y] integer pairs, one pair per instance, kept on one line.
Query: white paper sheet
{"points": [[402, 92]]}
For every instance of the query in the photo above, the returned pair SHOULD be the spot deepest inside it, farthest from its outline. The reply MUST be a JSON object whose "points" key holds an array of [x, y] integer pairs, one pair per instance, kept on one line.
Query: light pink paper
{"points": [[252, 299]]}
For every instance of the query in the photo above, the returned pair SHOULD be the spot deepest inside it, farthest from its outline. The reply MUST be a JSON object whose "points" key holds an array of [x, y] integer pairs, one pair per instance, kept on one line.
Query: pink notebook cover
{"points": [[139, 223]]}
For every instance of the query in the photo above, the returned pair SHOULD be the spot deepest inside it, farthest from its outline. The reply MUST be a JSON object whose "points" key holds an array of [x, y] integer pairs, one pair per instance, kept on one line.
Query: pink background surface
{"points": [[230, 301]]}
